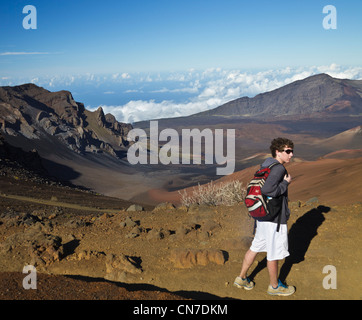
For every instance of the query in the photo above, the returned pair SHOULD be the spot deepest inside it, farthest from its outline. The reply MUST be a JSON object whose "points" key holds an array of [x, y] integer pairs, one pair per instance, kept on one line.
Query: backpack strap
{"points": [[279, 215], [273, 164], [279, 218]]}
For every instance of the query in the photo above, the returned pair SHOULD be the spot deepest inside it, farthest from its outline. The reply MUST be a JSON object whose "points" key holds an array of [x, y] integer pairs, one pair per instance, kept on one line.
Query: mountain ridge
{"points": [[35, 112], [318, 95]]}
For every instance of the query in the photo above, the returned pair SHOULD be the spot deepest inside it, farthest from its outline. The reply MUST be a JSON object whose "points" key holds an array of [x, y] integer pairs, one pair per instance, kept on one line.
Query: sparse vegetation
{"points": [[228, 194]]}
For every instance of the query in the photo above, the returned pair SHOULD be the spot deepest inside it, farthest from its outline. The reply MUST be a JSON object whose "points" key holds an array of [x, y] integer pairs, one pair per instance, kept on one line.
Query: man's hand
{"points": [[288, 178]]}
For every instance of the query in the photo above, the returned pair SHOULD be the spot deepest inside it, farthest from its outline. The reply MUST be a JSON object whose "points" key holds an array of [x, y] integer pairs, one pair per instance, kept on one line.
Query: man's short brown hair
{"points": [[279, 144]]}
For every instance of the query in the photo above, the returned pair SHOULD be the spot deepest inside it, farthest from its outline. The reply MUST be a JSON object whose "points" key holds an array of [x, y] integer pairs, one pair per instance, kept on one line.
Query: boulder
{"points": [[45, 249], [118, 266], [188, 258], [134, 207], [164, 206]]}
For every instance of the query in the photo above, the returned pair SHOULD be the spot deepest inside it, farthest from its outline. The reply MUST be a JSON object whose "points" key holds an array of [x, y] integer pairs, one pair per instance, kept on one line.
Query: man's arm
{"points": [[275, 185]]}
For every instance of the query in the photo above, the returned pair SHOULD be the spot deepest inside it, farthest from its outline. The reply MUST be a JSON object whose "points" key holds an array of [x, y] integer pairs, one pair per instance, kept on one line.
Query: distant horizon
{"points": [[133, 97]]}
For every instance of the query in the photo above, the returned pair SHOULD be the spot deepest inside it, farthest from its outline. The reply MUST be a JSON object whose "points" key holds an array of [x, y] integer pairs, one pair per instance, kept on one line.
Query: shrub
{"points": [[228, 193]]}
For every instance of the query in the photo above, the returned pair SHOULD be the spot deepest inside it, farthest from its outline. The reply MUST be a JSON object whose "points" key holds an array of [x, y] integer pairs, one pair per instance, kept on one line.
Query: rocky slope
{"points": [[36, 113], [15, 162], [193, 252]]}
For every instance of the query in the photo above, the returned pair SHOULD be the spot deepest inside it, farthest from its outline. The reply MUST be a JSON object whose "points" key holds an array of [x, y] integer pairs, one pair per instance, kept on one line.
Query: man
{"points": [[267, 238]]}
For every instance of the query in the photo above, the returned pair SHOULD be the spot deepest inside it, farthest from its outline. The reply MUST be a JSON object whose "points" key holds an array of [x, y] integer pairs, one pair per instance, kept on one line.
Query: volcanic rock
{"points": [[34, 113]]}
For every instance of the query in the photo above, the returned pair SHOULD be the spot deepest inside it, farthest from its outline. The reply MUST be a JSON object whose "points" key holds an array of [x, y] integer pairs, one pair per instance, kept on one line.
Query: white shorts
{"points": [[268, 240]]}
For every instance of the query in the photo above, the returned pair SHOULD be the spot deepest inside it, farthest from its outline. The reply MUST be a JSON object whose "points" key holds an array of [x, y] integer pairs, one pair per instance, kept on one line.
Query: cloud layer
{"points": [[133, 97]]}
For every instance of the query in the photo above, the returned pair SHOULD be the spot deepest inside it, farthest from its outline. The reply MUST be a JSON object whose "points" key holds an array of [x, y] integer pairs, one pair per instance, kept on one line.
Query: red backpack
{"points": [[256, 202]]}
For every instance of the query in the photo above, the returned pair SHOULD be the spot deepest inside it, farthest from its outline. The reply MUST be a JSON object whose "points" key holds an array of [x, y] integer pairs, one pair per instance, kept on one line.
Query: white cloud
{"points": [[120, 76], [21, 53], [166, 90], [142, 110], [339, 72]]}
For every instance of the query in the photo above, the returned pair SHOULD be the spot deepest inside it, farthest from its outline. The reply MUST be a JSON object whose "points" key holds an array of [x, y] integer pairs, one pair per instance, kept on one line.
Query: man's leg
{"points": [[276, 287], [273, 272], [242, 281], [248, 261]]}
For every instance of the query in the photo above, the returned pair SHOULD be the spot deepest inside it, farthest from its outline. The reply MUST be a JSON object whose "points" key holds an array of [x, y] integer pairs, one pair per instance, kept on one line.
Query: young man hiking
{"points": [[267, 238]]}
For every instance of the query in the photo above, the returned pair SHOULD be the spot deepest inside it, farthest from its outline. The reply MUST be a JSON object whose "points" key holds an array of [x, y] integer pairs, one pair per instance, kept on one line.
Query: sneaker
{"points": [[281, 290], [247, 284]]}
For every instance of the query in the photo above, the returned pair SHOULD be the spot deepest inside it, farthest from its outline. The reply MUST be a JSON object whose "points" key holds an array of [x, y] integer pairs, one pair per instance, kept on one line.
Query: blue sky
{"points": [[127, 41]]}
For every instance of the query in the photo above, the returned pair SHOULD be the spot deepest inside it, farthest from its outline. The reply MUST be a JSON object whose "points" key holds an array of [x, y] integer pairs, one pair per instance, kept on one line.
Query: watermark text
{"points": [[330, 280], [30, 281], [146, 150], [330, 20]]}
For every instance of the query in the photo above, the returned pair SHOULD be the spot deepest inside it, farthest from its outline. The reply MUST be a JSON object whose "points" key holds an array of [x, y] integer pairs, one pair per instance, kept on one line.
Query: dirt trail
{"points": [[55, 203]]}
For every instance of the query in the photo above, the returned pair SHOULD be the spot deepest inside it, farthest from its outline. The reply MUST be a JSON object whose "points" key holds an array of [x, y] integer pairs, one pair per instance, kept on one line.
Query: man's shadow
{"points": [[299, 238]]}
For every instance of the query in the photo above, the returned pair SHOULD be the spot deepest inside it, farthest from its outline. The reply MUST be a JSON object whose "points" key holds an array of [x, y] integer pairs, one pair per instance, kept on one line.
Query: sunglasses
{"points": [[289, 151]]}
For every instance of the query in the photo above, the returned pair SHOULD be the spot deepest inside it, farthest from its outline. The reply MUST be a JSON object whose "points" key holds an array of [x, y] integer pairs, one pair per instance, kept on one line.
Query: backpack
{"points": [[261, 207]]}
